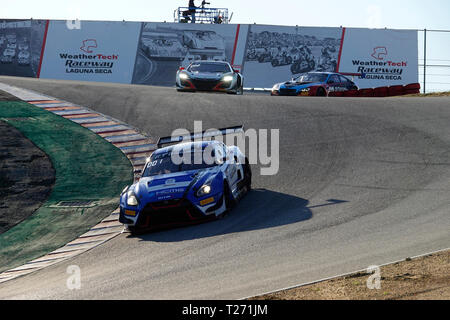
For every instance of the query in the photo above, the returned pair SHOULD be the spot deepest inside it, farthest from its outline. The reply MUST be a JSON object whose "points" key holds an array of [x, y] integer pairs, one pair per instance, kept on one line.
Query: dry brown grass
{"points": [[426, 278]]}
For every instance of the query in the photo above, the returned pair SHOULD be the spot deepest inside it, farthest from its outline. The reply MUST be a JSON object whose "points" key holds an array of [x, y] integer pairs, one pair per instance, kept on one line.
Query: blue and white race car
{"points": [[205, 185], [314, 84]]}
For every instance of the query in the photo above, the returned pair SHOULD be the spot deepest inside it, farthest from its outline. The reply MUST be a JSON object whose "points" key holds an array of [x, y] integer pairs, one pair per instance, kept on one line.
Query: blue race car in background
{"points": [[170, 194], [314, 84]]}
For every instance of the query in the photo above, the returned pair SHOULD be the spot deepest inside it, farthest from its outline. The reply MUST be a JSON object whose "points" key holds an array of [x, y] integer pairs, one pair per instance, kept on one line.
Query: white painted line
{"points": [[54, 105], [137, 162], [139, 146], [25, 95], [104, 231], [88, 120], [109, 129], [139, 149], [67, 112], [126, 138]]}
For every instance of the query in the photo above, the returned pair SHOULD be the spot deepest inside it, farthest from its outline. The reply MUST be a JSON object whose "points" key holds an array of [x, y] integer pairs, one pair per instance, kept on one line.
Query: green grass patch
{"points": [[87, 168]]}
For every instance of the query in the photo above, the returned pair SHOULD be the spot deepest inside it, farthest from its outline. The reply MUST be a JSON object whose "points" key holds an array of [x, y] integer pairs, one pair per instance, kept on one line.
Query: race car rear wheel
{"points": [[321, 92]]}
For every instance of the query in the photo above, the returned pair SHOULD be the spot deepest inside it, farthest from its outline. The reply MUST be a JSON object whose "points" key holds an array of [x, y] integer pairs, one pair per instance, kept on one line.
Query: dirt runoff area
{"points": [[26, 175], [425, 278]]}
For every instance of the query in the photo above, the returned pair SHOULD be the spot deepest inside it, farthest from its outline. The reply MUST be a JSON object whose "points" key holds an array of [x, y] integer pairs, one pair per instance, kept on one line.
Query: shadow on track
{"points": [[260, 209]]}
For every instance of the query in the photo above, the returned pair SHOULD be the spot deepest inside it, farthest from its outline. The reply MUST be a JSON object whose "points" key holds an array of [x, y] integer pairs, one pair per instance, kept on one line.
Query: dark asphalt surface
{"points": [[26, 175], [385, 163]]}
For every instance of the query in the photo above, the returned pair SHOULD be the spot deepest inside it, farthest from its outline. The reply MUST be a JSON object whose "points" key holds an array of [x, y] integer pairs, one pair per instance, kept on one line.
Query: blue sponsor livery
{"points": [[186, 183]]}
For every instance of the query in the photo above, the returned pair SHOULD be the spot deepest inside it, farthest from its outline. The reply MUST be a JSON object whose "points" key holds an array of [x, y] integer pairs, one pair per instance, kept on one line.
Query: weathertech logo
{"points": [[380, 53], [88, 45], [380, 68], [89, 62]]}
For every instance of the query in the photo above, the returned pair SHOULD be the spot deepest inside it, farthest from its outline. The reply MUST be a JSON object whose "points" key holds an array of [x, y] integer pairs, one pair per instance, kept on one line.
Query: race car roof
{"points": [[187, 145]]}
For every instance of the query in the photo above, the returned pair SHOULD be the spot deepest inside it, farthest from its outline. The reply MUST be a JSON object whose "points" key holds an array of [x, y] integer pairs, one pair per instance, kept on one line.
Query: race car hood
{"points": [[299, 85], [207, 75], [171, 186]]}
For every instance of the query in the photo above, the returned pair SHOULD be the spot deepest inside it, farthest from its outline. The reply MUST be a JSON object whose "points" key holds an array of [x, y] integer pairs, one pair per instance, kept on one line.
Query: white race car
{"points": [[207, 75]]}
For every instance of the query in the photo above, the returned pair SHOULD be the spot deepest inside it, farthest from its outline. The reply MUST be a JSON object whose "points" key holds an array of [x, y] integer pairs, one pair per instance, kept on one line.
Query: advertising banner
{"points": [[151, 53], [21, 44], [277, 54], [164, 47], [96, 51], [384, 57]]}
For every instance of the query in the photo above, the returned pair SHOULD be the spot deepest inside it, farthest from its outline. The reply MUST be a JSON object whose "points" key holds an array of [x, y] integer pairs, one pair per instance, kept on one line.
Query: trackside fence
{"points": [[434, 60]]}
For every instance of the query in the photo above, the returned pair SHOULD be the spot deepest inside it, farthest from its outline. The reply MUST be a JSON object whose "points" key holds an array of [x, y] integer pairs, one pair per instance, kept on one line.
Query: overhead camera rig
{"points": [[202, 14]]}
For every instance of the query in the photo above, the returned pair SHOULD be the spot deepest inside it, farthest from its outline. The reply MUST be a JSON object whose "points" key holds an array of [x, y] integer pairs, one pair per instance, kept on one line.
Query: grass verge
{"points": [[87, 168]]}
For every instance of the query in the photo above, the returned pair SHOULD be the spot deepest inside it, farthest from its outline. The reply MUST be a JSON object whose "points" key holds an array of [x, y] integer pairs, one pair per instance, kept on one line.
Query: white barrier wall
{"points": [[98, 51], [384, 57], [150, 53]]}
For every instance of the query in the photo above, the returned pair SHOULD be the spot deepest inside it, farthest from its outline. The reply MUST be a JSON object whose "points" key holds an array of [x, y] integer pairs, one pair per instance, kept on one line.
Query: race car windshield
{"points": [[312, 77], [209, 67], [165, 165]]}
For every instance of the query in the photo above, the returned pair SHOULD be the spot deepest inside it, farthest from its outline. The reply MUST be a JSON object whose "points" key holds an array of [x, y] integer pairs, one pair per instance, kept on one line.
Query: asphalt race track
{"points": [[384, 164]]}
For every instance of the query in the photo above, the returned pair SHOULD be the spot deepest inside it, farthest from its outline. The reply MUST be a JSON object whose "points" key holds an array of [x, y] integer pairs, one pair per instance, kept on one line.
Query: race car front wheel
{"points": [[230, 202], [248, 175]]}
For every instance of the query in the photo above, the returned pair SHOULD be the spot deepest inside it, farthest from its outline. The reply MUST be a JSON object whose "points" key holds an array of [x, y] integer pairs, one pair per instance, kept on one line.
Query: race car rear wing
{"points": [[199, 135]]}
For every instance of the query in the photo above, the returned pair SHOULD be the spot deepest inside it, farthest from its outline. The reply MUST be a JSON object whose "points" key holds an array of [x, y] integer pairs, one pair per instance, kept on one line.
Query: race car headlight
{"points": [[204, 190], [184, 76], [305, 90], [132, 199], [227, 78]]}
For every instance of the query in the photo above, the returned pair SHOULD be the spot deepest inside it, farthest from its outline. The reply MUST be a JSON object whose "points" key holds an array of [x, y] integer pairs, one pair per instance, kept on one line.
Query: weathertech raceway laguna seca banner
{"points": [[97, 51], [150, 53], [383, 57]]}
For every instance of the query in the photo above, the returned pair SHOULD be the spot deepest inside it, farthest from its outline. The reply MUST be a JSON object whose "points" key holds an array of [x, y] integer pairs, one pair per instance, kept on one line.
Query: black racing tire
{"points": [[135, 231], [321, 92], [248, 175], [230, 202]]}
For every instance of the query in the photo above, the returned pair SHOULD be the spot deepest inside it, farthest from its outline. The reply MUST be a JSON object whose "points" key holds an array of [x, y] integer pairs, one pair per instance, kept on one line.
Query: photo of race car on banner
{"points": [[284, 52], [163, 48], [21, 46], [153, 52]]}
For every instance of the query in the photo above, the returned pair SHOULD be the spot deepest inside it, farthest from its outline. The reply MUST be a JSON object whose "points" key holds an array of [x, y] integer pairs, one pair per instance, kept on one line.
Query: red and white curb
{"points": [[136, 146]]}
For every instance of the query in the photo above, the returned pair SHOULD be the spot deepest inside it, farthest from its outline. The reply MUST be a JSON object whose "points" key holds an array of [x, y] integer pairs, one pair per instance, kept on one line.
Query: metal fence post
{"points": [[425, 61]]}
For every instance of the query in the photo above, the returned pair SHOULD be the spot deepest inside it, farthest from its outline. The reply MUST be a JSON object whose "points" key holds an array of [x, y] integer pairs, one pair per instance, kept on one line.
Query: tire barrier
{"points": [[380, 92]]}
